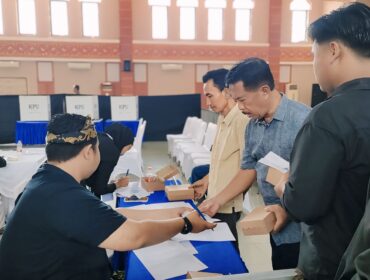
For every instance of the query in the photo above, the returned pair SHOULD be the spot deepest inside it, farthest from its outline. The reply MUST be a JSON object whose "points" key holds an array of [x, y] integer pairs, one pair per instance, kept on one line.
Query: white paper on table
{"points": [[133, 188], [211, 220], [187, 244], [275, 161], [167, 205], [221, 232], [168, 259]]}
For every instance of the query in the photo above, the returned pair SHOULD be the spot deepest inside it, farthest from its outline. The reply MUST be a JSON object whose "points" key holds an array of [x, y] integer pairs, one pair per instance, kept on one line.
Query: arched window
{"points": [[300, 11]]}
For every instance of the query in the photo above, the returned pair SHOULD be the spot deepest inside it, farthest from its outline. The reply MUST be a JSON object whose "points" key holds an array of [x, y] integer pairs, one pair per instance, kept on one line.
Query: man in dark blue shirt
{"points": [[60, 230], [330, 162]]}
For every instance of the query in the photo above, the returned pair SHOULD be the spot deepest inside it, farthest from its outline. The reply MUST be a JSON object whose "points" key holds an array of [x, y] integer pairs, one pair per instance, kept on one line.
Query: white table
{"points": [[14, 177]]}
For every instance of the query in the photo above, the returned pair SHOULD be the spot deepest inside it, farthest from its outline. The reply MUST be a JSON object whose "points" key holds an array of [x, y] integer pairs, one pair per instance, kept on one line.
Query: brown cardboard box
{"points": [[179, 192], [163, 174], [198, 274], [274, 176], [257, 222]]}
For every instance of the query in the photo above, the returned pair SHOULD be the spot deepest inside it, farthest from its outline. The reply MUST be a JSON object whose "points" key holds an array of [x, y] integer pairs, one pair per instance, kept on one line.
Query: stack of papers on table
{"points": [[221, 232], [133, 188], [169, 259]]}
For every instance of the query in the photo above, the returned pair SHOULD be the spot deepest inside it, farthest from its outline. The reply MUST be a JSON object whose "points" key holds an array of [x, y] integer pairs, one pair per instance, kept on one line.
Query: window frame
{"points": [[84, 28], [51, 18], [28, 24]]}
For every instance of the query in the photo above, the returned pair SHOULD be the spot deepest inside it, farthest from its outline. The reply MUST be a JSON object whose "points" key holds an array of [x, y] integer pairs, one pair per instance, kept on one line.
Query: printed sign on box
{"points": [[124, 108], [34, 108], [83, 105]]}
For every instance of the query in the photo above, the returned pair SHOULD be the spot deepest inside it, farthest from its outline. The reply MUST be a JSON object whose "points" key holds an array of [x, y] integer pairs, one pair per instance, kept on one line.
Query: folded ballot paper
{"points": [[169, 259], [277, 167], [132, 189]]}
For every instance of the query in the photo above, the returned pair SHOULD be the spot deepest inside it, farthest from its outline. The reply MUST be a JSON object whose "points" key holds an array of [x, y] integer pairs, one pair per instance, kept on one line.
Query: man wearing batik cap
{"points": [[59, 229]]}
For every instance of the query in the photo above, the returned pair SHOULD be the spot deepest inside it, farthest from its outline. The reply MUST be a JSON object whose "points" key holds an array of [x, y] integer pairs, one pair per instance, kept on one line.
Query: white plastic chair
{"points": [[185, 149], [198, 133], [187, 134], [132, 159]]}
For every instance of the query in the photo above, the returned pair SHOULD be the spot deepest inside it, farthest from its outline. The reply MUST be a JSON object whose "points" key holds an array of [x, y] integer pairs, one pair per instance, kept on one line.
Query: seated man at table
{"points": [[114, 142], [227, 148], [59, 229]]}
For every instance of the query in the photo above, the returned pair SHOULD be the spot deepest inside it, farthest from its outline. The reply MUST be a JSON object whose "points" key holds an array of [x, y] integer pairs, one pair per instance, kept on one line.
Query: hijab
{"points": [[120, 134]]}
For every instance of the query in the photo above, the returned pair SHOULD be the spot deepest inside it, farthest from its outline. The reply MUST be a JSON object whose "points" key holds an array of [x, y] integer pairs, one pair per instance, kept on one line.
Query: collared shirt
{"points": [[226, 156], [55, 229], [277, 136], [330, 169]]}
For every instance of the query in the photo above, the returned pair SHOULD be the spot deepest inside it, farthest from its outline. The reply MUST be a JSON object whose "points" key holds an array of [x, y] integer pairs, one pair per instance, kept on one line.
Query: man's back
{"points": [[329, 174], [53, 231]]}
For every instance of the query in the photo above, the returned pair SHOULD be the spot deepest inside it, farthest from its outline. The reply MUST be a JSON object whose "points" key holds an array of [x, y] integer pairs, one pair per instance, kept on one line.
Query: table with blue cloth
{"points": [[34, 132], [220, 257], [133, 125]]}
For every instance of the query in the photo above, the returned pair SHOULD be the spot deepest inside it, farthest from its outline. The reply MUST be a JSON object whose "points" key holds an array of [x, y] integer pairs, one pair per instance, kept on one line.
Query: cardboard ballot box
{"points": [[34, 108], [83, 105], [157, 183], [199, 274], [257, 222], [179, 192], [274, 176]]}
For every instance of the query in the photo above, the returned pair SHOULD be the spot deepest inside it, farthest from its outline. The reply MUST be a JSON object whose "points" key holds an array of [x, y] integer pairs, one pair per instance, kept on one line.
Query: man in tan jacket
{"points": [[227, 149]]}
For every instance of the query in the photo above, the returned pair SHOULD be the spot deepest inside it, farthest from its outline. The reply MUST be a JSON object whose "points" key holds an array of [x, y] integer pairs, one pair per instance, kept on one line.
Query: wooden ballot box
{"points": [[157, 183], [179, 192], [258, 222], [274, 176], [199, 274]]}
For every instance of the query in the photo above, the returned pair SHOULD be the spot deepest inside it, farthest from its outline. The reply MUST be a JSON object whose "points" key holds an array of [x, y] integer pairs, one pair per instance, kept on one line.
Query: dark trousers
{"points": [[199, 172], [231, 220], [284, 256]]}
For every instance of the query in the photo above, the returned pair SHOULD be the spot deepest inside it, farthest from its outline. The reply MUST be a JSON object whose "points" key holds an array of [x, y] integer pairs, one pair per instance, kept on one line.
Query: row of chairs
{"points": [[193, 146]]}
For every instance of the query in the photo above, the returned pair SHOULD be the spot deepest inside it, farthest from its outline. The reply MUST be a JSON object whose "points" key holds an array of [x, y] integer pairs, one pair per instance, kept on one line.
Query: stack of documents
{"points": [[169, 259]]}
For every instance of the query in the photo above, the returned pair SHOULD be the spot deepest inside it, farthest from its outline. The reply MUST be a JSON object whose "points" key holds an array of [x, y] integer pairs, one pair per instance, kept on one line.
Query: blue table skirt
{"points": [[220, 257], [32, 132], [133, 125]]}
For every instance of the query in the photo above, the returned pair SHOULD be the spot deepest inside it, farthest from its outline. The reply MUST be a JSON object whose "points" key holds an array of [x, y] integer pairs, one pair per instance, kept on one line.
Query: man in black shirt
{"points": [[60, 230], [330, 161]]}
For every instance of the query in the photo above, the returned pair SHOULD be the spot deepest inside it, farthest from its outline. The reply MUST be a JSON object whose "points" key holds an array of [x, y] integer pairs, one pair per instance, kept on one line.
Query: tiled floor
{"points": [[255, 250]]}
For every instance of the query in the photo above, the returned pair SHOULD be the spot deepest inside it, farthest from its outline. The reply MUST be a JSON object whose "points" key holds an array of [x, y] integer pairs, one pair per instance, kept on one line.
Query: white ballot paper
{"points": [[275, 161], [187, 244], [133, 188], [221, 232], [168, 259]]}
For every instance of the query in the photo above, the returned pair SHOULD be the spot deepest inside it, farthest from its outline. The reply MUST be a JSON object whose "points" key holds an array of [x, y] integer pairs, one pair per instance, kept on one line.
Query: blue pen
{"points": [[200, 213]]}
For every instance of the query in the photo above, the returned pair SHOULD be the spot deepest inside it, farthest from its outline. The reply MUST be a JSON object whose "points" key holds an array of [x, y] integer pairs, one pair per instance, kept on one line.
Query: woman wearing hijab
{"points": [[114, 142]]}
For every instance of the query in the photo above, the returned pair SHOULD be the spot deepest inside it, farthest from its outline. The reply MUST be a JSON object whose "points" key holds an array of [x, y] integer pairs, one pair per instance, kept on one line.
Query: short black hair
{"points": [[64, 123], [350, 25], [217, 76], [253, 72], [77, 87]]}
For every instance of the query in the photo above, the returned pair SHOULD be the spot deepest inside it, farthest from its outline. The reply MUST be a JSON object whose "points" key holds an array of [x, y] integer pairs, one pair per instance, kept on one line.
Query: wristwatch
{"points": [[188, 227]]}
